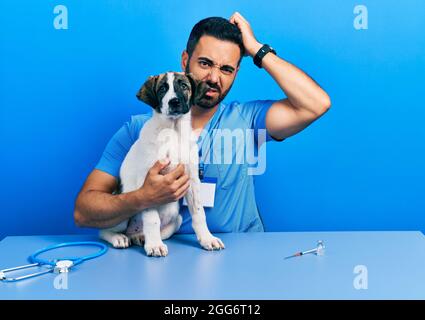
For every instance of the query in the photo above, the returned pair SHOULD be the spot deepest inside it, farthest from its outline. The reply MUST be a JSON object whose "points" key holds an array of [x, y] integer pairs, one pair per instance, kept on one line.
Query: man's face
{"points": [[215, 62]]}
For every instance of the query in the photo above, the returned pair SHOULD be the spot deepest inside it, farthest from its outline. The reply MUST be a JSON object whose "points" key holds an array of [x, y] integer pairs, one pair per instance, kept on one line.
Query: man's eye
{"points": [[204, 63], [227, 71]]}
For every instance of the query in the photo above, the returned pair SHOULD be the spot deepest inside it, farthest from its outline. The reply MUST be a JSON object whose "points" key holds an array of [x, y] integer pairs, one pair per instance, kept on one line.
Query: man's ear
{"points": [[147, 92], [185, 60]]}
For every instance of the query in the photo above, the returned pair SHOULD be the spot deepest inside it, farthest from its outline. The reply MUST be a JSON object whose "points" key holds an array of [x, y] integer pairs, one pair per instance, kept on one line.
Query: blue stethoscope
{"points": [[57, 265]]}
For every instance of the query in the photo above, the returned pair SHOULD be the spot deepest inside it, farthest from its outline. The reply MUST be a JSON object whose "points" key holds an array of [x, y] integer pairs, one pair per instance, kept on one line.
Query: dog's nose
{"points": [[174, 102]]}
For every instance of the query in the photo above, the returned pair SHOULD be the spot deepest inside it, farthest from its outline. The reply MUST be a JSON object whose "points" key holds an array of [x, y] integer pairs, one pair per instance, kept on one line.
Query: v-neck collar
{"points": [[210, 124]]}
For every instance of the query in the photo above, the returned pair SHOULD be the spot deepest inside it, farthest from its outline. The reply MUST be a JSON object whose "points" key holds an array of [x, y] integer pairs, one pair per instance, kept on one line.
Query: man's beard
{"points": [[208, 102]]}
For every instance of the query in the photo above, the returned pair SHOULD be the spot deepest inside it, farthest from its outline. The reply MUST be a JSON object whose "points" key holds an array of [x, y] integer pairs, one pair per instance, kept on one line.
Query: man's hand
{"points": [[160, 189], [250, 43]]}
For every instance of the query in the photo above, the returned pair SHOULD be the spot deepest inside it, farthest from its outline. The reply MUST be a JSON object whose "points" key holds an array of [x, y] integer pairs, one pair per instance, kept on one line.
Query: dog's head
{"points": [[172, 93]]}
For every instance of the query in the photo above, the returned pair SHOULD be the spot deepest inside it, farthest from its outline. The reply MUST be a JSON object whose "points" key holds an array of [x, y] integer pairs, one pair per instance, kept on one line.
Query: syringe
{"points": [[319, 250]]}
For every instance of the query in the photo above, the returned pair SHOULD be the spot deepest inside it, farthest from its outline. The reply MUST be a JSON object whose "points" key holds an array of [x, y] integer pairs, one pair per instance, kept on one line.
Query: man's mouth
{"points": [[211, 92]]}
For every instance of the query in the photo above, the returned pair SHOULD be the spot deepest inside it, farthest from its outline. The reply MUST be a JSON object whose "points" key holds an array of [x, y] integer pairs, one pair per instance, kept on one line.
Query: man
{"points": [[213, 54]]}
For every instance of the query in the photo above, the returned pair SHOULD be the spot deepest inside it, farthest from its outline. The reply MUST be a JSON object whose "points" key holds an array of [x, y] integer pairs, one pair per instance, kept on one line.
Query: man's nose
{"points": [[214, 75]]}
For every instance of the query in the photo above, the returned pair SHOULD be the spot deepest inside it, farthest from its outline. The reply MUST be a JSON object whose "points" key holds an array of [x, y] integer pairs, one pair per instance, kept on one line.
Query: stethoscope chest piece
{"points": [[63, 266]]}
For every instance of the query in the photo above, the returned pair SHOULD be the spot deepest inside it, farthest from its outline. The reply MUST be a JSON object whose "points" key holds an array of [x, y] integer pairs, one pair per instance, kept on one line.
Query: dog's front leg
{"points": [[199, 222], [152, 232]]}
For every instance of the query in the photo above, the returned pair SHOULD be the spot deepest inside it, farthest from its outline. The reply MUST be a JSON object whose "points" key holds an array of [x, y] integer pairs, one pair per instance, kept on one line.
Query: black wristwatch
{"points": [[258, 58]]}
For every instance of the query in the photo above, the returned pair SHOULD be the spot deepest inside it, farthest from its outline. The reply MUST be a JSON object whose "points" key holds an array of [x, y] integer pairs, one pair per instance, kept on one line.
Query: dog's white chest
{"points": [[178, 144]]}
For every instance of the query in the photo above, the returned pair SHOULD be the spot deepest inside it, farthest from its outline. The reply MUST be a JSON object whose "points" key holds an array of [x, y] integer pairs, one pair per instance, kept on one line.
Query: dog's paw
{"points": [[138, 239], [211, 243], [120, 241], [156, 249]]}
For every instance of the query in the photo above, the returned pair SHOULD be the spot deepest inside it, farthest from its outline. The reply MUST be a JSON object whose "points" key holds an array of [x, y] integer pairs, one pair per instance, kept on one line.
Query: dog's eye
{"points": [[162, 89], [184, 86]]}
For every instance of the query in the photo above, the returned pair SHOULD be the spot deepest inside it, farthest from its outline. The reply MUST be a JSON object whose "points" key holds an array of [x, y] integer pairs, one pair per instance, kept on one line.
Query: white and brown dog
{"points": [[171, 95]]}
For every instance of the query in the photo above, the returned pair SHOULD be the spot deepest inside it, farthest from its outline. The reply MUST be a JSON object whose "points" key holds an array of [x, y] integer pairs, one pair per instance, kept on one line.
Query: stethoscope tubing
{"points": [[76, 260]]}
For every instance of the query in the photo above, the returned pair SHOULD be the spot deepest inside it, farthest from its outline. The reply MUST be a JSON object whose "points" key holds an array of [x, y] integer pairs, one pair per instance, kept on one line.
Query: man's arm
{"points": [[306, 101], [97, 207]]}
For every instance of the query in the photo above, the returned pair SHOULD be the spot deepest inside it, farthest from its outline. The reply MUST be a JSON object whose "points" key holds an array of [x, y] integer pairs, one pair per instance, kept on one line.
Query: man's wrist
{"points": [[254, 49], [135, 200], [261, 53]]}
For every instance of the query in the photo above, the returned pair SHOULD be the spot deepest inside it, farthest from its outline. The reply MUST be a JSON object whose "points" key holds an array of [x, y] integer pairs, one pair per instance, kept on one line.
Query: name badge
{"points": [[207, 192]]}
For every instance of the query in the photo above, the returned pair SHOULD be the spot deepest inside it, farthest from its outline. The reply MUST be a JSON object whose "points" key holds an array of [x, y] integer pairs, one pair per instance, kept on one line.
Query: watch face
{"points": [[270, 49], [261, 53]]}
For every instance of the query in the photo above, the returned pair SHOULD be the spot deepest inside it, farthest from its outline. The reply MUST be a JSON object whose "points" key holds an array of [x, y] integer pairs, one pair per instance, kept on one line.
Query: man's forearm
{"points": [[99, 209]]}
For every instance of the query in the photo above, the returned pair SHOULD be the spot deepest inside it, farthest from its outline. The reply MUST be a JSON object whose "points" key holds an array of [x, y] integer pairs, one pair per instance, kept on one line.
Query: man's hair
{"points": [[216, 27]]}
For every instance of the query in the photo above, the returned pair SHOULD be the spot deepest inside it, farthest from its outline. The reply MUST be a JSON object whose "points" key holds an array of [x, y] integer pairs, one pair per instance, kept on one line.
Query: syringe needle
{"points": [[295, 255]]}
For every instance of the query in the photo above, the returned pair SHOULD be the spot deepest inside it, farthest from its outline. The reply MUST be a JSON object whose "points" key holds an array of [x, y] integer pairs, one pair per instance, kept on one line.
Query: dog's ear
{"points": [[147, 92], [193, 81], [198, 88]]}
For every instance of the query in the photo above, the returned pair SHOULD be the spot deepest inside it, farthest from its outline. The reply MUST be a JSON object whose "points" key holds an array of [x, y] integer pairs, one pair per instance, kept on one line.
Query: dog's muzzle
{"points": [[176, 107]]}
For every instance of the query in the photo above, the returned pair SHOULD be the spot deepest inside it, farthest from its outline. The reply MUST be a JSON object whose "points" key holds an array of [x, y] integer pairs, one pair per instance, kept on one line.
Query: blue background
{"points": [[64, 93]]}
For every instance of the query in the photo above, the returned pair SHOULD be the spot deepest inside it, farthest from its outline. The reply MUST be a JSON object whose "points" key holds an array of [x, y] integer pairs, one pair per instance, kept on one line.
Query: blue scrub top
{"points": [[235, 208]]}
